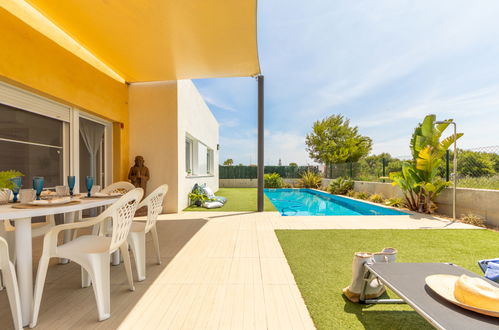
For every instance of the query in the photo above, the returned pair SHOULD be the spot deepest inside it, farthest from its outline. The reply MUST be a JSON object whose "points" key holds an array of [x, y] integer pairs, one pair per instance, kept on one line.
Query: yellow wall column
{"points": [[153, 135]]}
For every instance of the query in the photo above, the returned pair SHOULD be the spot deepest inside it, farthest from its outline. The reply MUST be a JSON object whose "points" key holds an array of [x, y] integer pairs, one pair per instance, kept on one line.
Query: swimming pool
{"points": [[293, 202]]}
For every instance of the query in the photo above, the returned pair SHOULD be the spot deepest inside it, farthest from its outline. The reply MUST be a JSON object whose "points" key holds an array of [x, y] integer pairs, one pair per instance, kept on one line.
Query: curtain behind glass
{"points": [[92, 134]]}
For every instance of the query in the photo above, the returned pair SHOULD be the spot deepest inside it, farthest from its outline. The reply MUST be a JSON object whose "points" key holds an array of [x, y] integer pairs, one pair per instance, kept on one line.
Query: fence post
{"points": [[351, 170], [447, 168]]}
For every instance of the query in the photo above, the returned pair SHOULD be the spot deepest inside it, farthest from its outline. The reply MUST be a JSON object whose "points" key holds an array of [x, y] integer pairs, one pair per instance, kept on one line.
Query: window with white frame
{"points": [[199, 159], [31, 144]]}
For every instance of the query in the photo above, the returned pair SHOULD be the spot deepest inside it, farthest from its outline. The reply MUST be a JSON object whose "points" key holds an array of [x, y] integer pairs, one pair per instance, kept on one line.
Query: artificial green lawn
{"points": [[321, 264], [238, 199]]}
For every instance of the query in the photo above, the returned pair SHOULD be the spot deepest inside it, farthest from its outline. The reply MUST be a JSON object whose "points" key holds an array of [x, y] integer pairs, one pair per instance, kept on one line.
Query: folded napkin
{"points": [[101, 194], [47, 193], [39, 202], [61, 200], [477, 292]]}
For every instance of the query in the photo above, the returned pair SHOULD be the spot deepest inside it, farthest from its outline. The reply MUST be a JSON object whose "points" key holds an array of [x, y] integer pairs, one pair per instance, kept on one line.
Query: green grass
{"points": [[238, 199], [480, 182], [321, 264]]}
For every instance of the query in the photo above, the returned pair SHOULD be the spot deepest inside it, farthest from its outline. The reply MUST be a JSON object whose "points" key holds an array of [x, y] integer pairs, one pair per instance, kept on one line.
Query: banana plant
{"points": [[419, 180]]}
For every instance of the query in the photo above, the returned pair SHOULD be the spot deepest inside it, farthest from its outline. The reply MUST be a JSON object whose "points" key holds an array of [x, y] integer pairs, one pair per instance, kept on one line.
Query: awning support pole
{"points": [[260, 143]]}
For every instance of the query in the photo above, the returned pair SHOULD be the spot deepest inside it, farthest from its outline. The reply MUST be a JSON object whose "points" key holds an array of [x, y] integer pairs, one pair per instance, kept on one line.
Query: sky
{"points": [[382, 64]]}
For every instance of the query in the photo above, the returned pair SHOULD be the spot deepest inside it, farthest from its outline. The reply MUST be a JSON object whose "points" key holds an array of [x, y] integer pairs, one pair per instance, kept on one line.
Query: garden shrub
{"points": [[395, 202], [273, 180], [310, 179], [340, 186], [376, 198], [362, 195], [472, 219]]}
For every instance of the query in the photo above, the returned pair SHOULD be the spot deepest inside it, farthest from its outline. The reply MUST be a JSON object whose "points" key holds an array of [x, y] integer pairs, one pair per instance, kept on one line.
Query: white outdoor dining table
{"points": [[24, 252]]}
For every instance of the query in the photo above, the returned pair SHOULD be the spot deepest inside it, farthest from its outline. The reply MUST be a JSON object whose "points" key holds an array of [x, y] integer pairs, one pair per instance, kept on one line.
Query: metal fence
{"points": [[250, 172], [476, 168]]}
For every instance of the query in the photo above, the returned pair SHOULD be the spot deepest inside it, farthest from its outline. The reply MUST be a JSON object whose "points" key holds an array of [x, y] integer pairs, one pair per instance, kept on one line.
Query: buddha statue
{"points": [[139, 173]]}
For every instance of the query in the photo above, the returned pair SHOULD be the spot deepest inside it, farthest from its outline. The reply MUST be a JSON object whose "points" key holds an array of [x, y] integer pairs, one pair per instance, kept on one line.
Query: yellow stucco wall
{"points": [[31, 61]]}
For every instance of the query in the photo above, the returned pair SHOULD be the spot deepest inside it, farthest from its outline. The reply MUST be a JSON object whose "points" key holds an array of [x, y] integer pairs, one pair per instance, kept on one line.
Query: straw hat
{"points": [[472, 293]]}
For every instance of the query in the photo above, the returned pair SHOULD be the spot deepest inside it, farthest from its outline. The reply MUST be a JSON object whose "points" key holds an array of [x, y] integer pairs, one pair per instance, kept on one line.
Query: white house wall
{"points": [[195, 120]]}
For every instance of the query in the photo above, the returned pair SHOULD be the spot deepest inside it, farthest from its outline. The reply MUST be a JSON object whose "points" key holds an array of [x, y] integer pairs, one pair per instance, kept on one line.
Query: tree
{"points": [[333, 140], [475, 164], [371, 167], [293, 164], [229, 162]]}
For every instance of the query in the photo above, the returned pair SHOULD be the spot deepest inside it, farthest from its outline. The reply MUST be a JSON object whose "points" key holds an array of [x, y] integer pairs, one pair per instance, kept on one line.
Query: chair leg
{"points": [[50, 219], [128, 265], [154, 233], [138, 244], [10, 282], [11, 239], [99, 272], [85, 278], [39, 284]]}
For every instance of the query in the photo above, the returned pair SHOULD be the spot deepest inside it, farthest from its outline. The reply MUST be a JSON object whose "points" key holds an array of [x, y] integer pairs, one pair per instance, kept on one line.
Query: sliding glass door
{"points": [[92, 138], [41, 137]]}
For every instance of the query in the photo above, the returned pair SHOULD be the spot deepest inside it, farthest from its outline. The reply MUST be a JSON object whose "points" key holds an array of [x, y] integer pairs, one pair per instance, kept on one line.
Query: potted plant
{"points": [[6, 184], [197, 198]]}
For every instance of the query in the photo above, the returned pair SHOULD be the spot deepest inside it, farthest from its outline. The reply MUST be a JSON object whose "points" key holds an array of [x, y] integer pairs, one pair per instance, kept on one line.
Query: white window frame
{"points": [[189, 165], [210, 155], [194, 158], [24, 100]]}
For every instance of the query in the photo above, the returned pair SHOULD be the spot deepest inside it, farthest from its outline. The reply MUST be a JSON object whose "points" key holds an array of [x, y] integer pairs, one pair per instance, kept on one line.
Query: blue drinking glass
{"points": [[89, 182], [71, 183], [38, 182], [17, 182]]}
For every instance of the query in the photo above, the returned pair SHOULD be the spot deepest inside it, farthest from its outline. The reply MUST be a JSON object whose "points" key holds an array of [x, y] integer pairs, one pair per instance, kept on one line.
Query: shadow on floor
{"points": [[65, 305], [382, 319]]}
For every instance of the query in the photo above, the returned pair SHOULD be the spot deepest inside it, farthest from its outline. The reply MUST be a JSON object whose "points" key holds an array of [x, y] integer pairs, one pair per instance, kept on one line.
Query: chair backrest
{"points": [[4, 253], [154, 203], [118, 187], [122, 213]]}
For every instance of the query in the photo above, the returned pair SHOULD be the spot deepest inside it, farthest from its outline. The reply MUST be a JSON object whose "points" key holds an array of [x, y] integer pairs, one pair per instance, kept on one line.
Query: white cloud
{"points": [[219, 104]]}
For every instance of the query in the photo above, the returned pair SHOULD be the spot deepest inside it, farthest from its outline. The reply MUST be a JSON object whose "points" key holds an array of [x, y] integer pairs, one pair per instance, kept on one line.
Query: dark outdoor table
{"points": [[407, 280]]}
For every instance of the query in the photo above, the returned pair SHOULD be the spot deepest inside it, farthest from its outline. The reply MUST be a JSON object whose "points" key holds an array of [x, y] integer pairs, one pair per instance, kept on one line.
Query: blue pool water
{"points": [[292, 202]]}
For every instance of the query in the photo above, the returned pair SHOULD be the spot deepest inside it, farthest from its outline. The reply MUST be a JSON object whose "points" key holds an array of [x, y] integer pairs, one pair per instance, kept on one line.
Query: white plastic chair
{"points": [[92, 252], [139, 229], [7, 231], [118, 187], [10, 281], [121, 187]]}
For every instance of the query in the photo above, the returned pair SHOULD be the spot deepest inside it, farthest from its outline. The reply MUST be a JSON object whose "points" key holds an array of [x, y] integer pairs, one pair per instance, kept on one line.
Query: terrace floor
{"points": [[220, 270]]}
